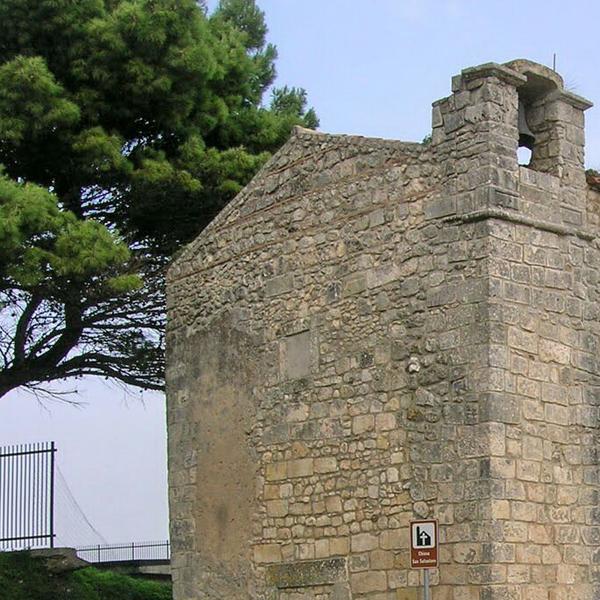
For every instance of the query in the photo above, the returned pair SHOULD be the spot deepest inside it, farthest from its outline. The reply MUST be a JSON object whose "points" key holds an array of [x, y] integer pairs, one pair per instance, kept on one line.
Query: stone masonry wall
{"points": [[544, 316], [374, 332]]}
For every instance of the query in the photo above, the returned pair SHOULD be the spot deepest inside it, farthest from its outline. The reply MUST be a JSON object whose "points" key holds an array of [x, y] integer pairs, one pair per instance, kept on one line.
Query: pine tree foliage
{"points": [[125, 126]]}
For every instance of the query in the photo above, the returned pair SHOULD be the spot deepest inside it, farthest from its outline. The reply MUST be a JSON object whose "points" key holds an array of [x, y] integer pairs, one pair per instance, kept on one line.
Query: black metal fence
{"points": [[126, 552], [27, 496]]}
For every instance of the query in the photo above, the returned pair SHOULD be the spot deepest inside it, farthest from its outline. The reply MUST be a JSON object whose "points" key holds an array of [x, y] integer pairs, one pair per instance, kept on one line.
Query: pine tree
{"points": [[125, 126]]}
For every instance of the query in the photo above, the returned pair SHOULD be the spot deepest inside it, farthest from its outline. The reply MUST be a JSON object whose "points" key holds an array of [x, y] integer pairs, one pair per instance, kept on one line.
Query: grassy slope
{"points": [[25, 578]]}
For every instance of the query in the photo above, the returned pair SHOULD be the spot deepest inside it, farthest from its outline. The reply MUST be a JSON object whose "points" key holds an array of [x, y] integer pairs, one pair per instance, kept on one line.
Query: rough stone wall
{"points": [[376, 331]]}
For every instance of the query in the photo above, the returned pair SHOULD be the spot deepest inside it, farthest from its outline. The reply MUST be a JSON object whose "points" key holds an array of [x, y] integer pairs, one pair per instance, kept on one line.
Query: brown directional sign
{"points": [[424, 544]]}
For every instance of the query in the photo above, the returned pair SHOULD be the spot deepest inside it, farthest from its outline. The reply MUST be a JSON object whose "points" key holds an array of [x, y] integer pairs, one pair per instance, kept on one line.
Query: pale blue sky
{"points": [[374, 67], [370, 68]]}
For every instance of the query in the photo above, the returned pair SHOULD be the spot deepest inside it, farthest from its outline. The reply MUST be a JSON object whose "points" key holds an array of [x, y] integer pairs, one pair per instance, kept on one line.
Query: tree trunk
{"points": [[6, 387]]}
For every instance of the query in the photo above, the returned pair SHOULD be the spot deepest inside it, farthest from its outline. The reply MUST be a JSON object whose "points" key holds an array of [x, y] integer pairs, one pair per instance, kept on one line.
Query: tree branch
{"points": [[23, 328]]}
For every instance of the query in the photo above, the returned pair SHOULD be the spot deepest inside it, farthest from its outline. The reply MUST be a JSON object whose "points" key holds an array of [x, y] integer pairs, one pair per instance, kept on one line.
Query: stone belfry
{"points": [[376, 331]]}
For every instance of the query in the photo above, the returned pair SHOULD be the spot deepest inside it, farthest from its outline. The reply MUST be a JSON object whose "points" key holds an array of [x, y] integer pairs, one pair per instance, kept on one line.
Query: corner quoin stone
{"points": [[374, 332]]}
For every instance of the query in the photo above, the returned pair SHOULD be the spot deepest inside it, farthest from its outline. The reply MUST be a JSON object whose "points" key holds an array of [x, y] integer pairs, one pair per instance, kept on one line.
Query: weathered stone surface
{"points": [[306, 574], [375, 331], [60, 560]]}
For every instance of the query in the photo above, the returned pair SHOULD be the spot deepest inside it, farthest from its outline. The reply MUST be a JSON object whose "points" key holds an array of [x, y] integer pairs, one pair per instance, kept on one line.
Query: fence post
{"points": [[132, 551], [52, 463]]}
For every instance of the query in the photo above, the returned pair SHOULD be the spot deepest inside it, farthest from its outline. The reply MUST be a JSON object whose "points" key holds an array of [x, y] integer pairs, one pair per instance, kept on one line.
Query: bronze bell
{"points": [[526, 136]]}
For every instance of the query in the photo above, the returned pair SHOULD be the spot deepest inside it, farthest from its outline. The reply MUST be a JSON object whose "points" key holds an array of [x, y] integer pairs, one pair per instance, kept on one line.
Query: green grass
{"points": [[25, 578]]}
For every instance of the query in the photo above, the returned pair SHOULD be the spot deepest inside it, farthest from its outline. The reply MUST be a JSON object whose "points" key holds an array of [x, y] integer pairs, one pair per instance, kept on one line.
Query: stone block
{"points": [[436, 117], [502, 408], [307, 574], [279, 285], [466, 553], [382, 275], [407, 594], [301, 467], [333, 504], [385, 421], [523, 511], [523, 340], [368, 581], [532, 448], [322, 548], [551, 351], [267, 553], [394, 538], [362, 424], [276, 471], [440, 207], [327, 464], [296, 356], [339, 545], [362, 542], [551, 555], [277, 508]]}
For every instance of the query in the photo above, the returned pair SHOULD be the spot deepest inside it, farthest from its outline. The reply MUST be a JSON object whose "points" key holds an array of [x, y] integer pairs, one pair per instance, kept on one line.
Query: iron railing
{"points": [[27, 496], [135, 551]]}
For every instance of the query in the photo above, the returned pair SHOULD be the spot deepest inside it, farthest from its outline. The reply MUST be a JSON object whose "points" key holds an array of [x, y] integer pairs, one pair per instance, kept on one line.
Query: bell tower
{"points": [[552, 119]]}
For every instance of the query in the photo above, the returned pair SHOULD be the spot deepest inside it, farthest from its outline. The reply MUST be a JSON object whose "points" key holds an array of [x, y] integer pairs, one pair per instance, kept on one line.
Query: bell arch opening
{"points": [[535, 131]]}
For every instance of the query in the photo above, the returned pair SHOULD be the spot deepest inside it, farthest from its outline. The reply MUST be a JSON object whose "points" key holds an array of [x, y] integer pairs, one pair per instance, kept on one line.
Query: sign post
{"points": [[424, 549]]}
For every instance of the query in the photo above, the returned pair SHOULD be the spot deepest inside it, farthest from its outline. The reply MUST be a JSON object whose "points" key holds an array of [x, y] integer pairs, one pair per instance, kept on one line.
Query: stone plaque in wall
{"points": [[310, 580], [296, 357]]}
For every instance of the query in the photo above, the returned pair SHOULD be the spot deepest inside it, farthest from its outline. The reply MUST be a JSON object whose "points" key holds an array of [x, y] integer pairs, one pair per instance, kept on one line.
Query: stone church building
{"points": [[376, 331]]}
